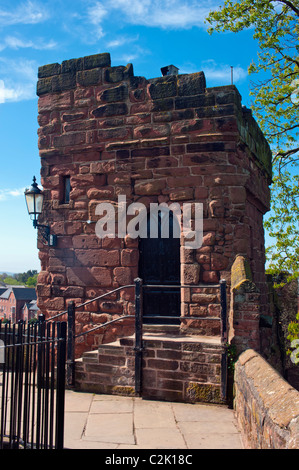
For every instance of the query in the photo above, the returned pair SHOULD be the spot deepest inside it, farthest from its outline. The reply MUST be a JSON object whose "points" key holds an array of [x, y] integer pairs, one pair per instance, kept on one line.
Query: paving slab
{"points": [[115, 428], [94, 421], [111, 406], [153, 415], [161, 438]]}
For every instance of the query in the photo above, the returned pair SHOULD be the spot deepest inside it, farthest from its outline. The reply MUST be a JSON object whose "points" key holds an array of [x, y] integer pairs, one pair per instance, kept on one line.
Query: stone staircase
{"points": [[176, 367]]}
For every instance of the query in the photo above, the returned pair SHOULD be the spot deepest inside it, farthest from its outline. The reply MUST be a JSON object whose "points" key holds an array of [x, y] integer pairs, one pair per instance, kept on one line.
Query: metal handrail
{"points": [[163, 317], [105, 324], [174, 317], [181, 286], [138, 325], [92, 300]]}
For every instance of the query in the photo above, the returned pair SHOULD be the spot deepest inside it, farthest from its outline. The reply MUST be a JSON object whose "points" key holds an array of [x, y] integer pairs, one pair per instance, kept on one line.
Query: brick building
{"points": [[13, 300], [30, 310], [106, 133]]}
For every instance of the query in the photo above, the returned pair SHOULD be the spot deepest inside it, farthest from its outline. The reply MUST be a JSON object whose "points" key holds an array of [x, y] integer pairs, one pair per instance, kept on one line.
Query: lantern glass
{"points": [[34, 200]]}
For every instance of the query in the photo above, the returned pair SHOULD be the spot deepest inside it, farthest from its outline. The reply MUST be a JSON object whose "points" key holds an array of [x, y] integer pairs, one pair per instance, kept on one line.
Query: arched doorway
{"points": [[159, 264]]}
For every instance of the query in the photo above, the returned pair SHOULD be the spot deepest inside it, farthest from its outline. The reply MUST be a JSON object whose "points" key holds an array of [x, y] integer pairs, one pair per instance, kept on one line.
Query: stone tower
{"points": [[104, 133]]}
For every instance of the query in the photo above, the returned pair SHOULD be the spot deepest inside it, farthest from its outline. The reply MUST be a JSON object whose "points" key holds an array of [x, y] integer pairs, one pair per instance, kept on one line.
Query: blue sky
{"points": [[147, 33]]}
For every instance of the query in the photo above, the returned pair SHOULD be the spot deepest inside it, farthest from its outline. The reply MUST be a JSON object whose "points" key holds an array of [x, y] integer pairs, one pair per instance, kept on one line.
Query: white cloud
{"points": [[14, 42], [95, 15], [87, 25], [16, 192], [222, 72], [7, 94], [115, 43], [137, 7], [90, 25], [166, 14], [7, 193], [122, 41], [128, 55], [215, 73], [25, 13], [18, 80], [17, 92]]}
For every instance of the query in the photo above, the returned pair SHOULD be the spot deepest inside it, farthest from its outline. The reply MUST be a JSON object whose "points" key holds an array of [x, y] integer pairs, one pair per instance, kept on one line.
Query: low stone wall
{"points": [[182, 369], [178, 368], [267, 406]]}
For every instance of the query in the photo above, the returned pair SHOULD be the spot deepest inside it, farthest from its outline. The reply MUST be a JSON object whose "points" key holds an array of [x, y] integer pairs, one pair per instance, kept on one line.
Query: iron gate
{"points": [[32, 384]]}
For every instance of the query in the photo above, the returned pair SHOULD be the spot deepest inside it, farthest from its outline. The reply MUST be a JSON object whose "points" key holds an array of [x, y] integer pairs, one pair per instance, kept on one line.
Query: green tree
{"points": [[23, 277], [3, 276], [31, 281], [11, 281], [275, 26]]}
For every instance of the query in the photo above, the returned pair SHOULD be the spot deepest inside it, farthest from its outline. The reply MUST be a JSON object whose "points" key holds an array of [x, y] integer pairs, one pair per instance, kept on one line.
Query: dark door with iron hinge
{"points": [[159, 264]]}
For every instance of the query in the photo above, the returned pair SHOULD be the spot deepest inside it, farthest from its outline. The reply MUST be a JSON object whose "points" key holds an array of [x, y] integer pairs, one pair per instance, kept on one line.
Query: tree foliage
{"points": [[275, 26], [28, 278]]}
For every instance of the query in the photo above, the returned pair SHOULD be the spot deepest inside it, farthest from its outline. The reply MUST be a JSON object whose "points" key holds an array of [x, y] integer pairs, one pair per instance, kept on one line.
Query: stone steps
{"points": [[175, 367]]}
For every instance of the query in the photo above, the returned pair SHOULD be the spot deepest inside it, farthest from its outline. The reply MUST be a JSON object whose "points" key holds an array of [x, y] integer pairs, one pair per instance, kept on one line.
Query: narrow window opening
{"points": [[66, 189]]}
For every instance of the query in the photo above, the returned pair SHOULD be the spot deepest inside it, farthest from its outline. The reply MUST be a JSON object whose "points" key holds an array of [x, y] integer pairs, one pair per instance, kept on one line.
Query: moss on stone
{"points": [[240, 271], [123, 390], [206, 393]]}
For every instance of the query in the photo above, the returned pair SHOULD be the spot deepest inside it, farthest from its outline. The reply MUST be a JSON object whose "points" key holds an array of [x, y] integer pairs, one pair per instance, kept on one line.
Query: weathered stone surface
{"points": [[165, 104], [241, 271], [206, 147], [89, 77], [149, 188], [192, 84], [55, 102], [72, 65], [163, 87], [110, 95], [64, 81], [49, 70], [67, 140], [118, 74], [44, 86], [110, 110], [97, 60], [266, 405]]}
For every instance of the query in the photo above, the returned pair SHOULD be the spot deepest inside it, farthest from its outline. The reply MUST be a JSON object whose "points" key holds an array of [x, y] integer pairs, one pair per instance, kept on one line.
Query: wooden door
{"points": [[160, 265]]}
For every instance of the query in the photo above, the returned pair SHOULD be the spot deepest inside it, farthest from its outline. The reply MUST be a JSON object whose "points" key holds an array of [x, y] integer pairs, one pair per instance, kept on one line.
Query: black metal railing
{"points": [[38, 360], [32, 384], [139, 288], [223, 326]]}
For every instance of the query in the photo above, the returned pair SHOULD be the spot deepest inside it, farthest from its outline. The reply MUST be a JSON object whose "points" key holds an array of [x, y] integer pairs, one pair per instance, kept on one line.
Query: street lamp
{"points": [[34, 199]]}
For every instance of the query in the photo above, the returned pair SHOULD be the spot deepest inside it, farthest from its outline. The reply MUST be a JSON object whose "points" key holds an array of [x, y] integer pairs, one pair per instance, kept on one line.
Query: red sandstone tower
{"points": [[104, 133]]}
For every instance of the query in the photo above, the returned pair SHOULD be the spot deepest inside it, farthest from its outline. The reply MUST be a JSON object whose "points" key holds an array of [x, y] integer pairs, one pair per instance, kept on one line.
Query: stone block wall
{"points": [[245, 308], [174, 370], [182, 371], [251, 326], [167, 139], [267, 407]]}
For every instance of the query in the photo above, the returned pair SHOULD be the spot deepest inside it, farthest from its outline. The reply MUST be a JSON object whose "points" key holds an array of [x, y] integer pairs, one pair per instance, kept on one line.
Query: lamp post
{"points": [[34, 199]]}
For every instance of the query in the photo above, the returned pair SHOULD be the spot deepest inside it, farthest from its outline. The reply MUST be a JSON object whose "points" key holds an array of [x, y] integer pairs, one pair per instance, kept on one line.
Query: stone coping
{"points": [[271, 417]]}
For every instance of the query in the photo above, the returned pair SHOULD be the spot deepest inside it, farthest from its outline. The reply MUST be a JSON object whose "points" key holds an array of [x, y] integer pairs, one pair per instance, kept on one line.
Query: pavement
{"points": [[114, 422]]}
